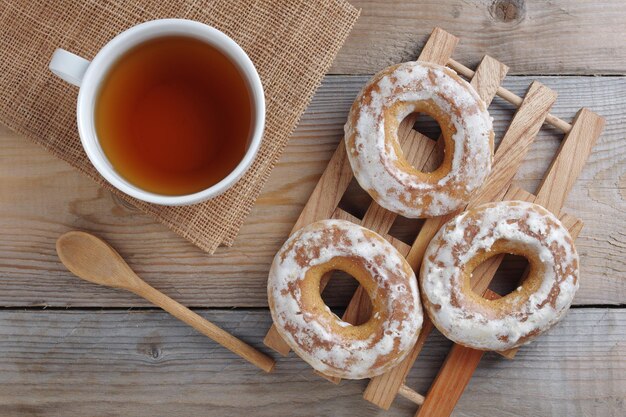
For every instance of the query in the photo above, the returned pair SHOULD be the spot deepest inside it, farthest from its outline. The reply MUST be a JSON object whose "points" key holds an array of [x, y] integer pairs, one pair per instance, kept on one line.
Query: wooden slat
{"points": [[418, 149], [383, 389], [274, 341], [570, 160], [450, 382], [378, 219], [487, 78], [532, 36], [76, 363], [328, 191], [516, 143], [439, 47], [573, 224]]}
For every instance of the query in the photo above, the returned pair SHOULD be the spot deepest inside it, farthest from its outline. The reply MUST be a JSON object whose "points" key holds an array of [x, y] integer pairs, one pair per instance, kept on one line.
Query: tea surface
{"points": [[174, 116]]}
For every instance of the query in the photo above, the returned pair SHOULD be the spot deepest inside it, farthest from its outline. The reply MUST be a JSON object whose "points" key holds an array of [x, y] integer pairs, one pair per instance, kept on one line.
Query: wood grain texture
{"points": [[439, 47], [451, 381], [570, 160], [452, 378], [532, 36], [41, 198], [110, 363], [488, 78]]}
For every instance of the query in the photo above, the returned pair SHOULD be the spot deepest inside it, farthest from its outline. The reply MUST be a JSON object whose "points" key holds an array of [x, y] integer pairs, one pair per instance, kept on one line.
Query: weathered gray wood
{"points": [[41, 197], [531, 36], [109, 363]]}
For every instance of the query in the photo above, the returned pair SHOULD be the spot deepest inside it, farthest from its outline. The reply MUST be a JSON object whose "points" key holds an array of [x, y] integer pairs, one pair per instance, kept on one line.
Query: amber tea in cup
{"points": [[174, 115]]}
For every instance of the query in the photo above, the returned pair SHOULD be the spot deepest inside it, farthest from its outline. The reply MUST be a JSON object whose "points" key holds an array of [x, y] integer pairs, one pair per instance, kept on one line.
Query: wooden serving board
{"points": [[532, 113]]}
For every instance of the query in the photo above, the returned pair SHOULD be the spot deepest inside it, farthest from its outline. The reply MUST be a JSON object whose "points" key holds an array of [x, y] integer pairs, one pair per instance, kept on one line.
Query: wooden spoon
{"points": [[95, 261]]}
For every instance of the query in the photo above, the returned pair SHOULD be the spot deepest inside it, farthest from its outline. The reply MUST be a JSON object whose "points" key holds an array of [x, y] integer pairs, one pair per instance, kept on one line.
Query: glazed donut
{"points": [[541, 300], [330, 345], [377, 160]]}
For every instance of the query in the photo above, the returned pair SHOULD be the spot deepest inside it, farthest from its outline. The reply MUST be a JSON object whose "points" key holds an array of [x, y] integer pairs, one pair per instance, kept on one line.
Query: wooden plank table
{"points": [[68, 348]]}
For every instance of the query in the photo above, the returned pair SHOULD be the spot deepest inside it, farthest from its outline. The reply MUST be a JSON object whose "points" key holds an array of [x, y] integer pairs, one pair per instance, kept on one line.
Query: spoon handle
{"points": [[204, 326]]}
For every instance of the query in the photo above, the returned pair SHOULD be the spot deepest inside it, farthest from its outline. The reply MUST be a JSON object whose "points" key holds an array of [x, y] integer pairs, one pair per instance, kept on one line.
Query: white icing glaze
{"points": [[375, 162], [462, 238], [312, 337]]}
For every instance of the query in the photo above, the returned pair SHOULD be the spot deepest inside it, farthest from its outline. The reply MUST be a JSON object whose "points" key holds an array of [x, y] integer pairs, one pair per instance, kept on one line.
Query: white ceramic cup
{"points": [[89, 76]]}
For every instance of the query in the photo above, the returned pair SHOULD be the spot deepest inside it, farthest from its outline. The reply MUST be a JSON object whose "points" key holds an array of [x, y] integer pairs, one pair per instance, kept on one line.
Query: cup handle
{"points": [[68, 66]]}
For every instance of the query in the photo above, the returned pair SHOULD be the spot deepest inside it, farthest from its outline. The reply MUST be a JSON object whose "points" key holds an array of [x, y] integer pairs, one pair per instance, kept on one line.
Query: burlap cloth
{"points": [[292, 43]]}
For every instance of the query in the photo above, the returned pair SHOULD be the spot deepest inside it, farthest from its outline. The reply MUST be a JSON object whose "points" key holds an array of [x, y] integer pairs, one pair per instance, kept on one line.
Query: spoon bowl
{"points": [[93, 260]]}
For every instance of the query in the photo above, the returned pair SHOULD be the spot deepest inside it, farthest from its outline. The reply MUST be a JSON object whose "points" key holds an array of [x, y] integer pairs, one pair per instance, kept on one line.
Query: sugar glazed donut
{"points": [[377, 160], [539, 302], [318, 336]]}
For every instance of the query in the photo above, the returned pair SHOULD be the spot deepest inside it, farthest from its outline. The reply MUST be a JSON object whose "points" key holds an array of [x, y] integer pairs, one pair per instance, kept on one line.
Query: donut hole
{"points": [[510, 274], [425, 133], [425, 124], [419, 155], [338, 293], [518, 287], [355, 200], [405, 229]]}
